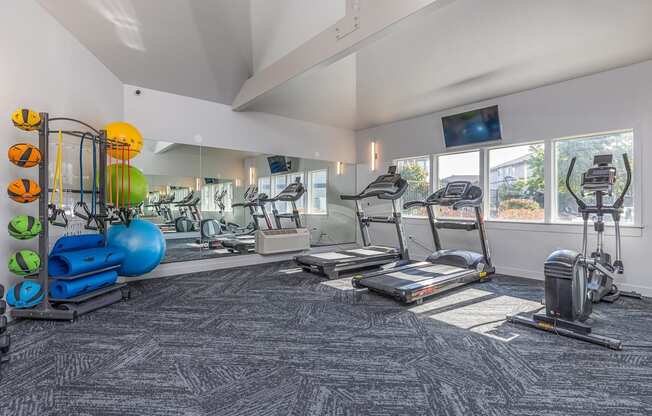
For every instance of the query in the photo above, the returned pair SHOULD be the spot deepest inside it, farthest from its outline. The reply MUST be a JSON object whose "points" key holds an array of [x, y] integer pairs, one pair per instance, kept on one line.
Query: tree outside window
{"points": [[416, 171], [585, 148]]}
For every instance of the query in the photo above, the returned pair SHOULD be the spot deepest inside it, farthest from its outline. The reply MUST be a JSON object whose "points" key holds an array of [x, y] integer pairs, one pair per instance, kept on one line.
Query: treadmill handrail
{"points": [[413, 204], [379, 193]]}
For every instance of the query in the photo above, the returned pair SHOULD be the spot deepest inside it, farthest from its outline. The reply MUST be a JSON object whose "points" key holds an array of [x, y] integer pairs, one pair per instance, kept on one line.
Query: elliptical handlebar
{"points": [[580, 203], [618, 202], [621, 199]]}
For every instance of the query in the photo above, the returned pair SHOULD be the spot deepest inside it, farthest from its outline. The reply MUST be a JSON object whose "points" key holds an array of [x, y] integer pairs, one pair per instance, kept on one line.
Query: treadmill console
{"points": [[388, 186], [456, 189], [457, 194], [292, 192]]}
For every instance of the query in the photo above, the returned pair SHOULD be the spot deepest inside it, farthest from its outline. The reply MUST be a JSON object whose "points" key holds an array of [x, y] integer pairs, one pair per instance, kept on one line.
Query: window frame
{"points": [[430, 181], [309, 190], [486, 203]]}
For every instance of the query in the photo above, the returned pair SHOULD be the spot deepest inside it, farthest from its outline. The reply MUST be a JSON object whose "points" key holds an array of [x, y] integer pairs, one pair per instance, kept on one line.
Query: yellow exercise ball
{"points": [[125, 134]]}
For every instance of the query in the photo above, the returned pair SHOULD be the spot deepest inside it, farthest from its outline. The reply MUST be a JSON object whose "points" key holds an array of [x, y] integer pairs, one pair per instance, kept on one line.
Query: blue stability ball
{"points": [[142, 241]]}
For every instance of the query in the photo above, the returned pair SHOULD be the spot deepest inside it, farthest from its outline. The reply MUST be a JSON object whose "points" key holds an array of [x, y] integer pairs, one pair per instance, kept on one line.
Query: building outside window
{"points": [[516, 183], [457, 167]]}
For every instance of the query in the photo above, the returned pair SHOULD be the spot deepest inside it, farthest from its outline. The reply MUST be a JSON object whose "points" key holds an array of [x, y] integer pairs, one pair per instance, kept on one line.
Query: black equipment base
{"points": [[564, 328]]}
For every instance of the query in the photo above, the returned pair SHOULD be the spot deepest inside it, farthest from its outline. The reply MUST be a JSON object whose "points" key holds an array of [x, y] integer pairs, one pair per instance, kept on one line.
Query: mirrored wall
{"points": [[201, 196]]}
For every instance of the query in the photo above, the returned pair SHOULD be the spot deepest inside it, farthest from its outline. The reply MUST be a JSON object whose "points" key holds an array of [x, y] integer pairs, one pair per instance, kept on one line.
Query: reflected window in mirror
{"points": [[273, 185], [217, 197], [179, 193], [317, 192], [265, 185]]}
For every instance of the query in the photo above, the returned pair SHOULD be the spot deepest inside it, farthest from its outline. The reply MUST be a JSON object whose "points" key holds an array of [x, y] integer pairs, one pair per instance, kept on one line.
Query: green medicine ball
{"points": [[24, 227], [24, 262]]}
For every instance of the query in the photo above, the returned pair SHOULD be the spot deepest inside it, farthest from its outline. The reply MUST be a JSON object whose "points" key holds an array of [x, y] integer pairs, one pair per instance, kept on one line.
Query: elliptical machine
{"points": [[575, 281]]}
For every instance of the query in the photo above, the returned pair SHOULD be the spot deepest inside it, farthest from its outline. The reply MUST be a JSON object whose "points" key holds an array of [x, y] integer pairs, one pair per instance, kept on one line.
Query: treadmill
{"points": [[391, 187], [245, 242], [444, 269]]}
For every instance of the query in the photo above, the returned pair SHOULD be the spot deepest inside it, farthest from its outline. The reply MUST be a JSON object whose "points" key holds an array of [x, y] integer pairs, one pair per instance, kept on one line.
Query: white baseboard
{"points": [[518, 272]]}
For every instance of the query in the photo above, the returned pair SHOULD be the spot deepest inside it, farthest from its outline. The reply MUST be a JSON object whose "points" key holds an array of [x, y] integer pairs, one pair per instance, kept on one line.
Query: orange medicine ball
{"points": [[24, 155], [24, 190]]}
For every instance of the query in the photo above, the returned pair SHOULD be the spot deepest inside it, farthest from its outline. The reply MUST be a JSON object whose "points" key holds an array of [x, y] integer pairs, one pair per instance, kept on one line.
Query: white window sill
{"points": [[627, 230]]}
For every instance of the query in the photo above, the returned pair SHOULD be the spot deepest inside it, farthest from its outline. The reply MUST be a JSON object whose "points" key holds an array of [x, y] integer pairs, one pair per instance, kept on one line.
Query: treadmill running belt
{"points": [[407, 278], [332, 256], [366, 252]]}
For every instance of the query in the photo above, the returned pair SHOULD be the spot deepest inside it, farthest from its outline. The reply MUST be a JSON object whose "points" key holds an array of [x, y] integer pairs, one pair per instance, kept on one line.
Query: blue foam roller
{"points": [[78, 242], [65, 289], [71, 263]]}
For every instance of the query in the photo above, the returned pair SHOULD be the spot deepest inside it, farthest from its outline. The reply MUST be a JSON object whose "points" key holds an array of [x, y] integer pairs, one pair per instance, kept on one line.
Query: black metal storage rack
{"points": [[68, 309]]}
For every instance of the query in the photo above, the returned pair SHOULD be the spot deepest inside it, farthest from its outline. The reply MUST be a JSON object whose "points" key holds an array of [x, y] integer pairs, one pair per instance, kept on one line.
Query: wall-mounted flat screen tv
{"points": [[278, 164], [472, 127]]}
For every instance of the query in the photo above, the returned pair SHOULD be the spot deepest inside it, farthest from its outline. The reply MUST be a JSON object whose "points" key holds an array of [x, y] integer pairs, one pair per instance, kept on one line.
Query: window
{"points": [[416, 171], [318, 192], [265, 185], [209, 194], [584, 148], [457, 167], [516, 183], [179, 193]]}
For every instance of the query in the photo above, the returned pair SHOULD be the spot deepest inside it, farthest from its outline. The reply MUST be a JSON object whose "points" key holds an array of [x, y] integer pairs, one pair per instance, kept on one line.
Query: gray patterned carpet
{"points": [[187, 249], [266, 341]]}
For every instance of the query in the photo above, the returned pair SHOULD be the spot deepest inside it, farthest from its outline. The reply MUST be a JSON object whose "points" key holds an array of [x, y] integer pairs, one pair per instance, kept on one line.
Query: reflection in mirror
{"points": [[174, 195], [328, 219], [210, 202]]}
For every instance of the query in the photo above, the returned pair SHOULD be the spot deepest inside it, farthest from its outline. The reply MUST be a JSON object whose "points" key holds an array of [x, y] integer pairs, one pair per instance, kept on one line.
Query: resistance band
{"points": [[58, 215], [58, 180]]}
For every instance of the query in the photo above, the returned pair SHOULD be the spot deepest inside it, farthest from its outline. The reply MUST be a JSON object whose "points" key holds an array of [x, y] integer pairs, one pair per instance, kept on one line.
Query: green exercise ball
{"points": [[24, 227], [114, 183], [24, 262]]}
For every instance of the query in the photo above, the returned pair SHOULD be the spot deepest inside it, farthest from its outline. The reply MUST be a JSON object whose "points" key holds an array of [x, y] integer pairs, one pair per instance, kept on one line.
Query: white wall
{"points": [[618, 99], [175, 118], [45, 68], [279, 26]]}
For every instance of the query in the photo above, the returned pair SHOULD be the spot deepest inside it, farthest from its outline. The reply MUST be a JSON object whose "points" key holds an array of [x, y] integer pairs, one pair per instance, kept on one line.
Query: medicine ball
{"points": [[26, 119], [23, 190], [24, 227], [24, 262], [24, 155], [25, 294]]}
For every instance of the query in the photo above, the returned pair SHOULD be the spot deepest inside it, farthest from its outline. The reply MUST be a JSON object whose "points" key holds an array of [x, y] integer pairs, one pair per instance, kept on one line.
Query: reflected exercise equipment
{"points": [[283, 240]]}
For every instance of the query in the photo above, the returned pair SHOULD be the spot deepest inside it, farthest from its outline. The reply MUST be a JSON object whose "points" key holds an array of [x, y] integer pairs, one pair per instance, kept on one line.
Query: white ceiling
{"points": [[463, 52], [197, 48], [469, 51]]}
